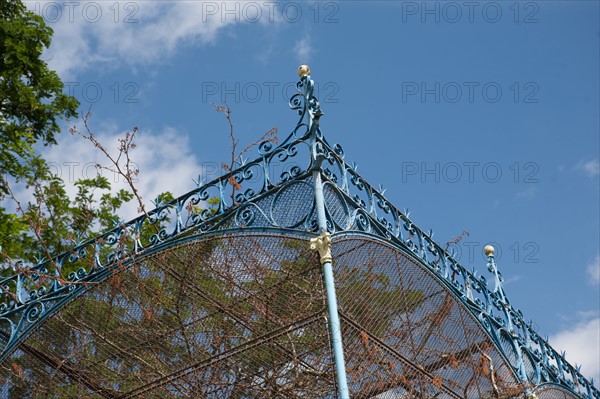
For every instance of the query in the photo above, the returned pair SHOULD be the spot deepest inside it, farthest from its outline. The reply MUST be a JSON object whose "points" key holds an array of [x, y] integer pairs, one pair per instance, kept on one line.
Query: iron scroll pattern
{"points": [[352, 204], [255, 194]]}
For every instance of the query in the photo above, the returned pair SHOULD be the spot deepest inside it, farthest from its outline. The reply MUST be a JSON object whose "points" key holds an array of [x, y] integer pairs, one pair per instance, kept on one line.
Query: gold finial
{"points": [[303, 70], [488, 250]]}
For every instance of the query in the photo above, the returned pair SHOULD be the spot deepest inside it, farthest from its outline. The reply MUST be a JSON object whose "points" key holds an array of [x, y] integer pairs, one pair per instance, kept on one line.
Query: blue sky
{"points": [[477, 116]]}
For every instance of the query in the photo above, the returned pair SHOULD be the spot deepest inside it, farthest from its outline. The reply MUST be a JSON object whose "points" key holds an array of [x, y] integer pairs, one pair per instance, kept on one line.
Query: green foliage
{"points": [[84, 213], [52, 223], [31, 105], [31, 98]]}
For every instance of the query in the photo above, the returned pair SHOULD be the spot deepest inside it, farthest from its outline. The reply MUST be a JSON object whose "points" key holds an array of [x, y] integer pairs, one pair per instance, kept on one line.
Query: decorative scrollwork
{"points": [[34, 311]]}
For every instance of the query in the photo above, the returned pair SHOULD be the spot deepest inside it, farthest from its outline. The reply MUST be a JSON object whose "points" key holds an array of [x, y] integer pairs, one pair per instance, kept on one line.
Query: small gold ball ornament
{"points": [[488, 250], [303, 70]]}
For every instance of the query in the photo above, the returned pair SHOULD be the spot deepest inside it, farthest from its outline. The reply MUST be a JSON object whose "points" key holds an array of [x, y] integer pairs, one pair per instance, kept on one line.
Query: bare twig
{"points": [[126, 144], [270, 135], [456, 239]]}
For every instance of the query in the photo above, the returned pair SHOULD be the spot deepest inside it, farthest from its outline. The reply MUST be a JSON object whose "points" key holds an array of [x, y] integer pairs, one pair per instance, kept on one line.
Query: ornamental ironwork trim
{"points": [[251, 191]]}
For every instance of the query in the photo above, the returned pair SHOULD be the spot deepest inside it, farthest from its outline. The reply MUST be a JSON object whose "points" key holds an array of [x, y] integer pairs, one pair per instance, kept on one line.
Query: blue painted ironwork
{"points": [[353, 204], [306, 87], [356, 205], [32, 293], [332, 306]]}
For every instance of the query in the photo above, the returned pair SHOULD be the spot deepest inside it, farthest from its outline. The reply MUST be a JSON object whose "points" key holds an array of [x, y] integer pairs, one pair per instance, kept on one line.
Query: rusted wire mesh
{"points": [[244, 316]]}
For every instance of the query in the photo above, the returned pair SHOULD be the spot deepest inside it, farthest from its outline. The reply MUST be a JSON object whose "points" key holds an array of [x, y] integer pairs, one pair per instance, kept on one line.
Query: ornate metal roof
{"points": [[407, 321]]}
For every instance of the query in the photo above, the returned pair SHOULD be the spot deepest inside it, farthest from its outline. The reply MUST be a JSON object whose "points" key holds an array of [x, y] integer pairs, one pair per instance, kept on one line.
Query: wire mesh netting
{"points": [[244, 316], [406, 335], [230, 317]]}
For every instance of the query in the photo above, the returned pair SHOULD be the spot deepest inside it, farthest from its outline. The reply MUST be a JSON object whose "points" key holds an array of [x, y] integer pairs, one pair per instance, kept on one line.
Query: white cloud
{"points": [[303, 50], [590, 168], [109, 34], [165, 161], [581, 342], [512, 279], [526, 194], [593, 270]]}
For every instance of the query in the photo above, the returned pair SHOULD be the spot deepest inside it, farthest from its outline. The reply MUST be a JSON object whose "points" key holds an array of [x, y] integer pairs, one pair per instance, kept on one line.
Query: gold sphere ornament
{"points": [[303, 70], [488, 250]]}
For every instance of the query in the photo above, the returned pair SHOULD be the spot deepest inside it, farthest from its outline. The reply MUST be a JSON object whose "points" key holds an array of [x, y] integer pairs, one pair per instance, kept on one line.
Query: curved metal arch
{"points": [[474, 311], [52, 278], [227, 259], [43, 312], [29, 294]]}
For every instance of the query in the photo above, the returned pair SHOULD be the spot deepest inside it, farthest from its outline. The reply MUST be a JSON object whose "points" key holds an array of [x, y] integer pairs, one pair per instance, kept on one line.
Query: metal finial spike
{"points": [[200, 181], [303, 70], [157, 201], [241, 161], [488, 250]]}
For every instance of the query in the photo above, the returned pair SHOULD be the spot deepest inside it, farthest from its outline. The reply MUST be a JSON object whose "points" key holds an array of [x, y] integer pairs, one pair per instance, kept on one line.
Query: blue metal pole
{"points": [[334, 319]]}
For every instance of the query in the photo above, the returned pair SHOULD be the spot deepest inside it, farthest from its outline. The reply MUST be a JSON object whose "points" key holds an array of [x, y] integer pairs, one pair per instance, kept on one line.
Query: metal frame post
{"points": [[323, 244]]}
